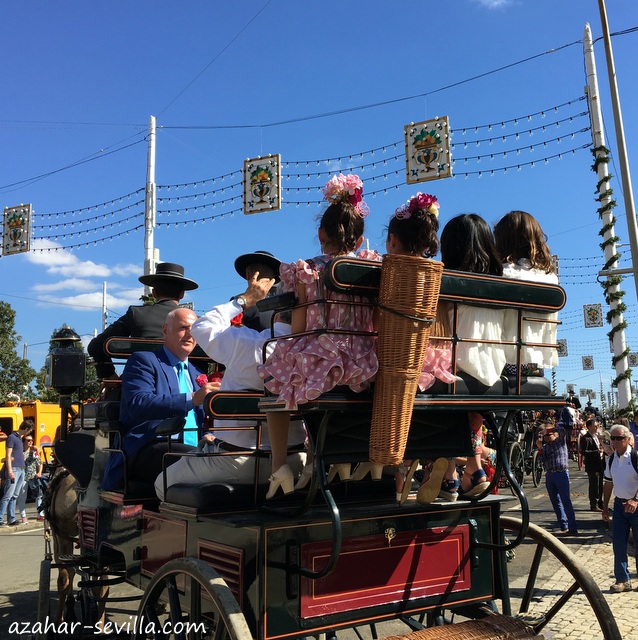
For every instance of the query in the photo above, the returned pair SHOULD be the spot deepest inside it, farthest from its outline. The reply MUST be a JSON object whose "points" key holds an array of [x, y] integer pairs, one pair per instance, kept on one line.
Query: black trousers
{"points": [[595, 489]]}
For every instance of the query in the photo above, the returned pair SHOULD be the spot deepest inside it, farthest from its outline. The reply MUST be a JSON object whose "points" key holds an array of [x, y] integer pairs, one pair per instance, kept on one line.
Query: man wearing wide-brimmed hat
{"points": [[267, 266], [143, 321]]}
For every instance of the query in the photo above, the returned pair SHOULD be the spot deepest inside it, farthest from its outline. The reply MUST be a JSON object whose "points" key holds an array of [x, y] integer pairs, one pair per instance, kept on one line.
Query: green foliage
{"points": [[16, 374]]}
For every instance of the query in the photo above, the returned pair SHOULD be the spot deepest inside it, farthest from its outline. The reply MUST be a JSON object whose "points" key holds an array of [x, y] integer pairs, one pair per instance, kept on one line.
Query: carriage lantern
{"points": [[66, 363]]}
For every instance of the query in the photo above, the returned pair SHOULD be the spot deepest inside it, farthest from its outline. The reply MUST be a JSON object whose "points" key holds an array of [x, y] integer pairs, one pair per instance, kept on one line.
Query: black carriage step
{"points": [[106, 582]]}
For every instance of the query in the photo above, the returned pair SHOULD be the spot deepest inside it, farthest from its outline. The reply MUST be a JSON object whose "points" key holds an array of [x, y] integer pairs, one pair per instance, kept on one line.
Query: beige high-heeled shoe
{"points": [[429, 491], [305, 477], [364, 468], [283, 478], [403, 478], [342, 470]]}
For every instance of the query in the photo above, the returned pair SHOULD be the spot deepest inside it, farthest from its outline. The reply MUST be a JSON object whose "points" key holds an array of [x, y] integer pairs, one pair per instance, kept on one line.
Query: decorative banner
{"points": [[561, 348], [570, 389], [427, 150], [262, 184], [593, 315], [632, 359], [588, 363], [592, 395], [15, 236], [582, 392]]}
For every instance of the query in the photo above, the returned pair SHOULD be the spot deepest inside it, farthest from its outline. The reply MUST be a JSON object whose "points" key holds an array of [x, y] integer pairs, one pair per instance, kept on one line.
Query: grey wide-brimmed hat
{"points": [[264, 257], [168, 272]]}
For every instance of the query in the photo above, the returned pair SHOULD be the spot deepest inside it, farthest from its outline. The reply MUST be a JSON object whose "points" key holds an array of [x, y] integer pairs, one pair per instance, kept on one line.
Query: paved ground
{"points": [[21, 552]]}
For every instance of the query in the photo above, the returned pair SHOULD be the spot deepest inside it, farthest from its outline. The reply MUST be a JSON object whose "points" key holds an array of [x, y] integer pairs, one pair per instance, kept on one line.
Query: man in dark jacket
{"points": [[144, 321], [592, 452]]}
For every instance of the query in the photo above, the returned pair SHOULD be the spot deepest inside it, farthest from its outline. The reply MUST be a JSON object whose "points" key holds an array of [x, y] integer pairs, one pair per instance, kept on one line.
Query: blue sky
{"points": [[229, 81]]}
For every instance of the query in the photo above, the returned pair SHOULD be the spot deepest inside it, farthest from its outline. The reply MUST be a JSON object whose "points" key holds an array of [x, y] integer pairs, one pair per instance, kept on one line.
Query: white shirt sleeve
{"points": [[208, 328]]}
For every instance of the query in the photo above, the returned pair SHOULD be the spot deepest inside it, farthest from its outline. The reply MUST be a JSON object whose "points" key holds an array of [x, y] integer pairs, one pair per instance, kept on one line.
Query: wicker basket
{"points": [[408, 296], [496, 627]]}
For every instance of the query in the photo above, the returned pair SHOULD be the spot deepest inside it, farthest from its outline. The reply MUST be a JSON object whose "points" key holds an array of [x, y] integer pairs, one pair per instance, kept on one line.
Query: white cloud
{"points": [[75, 284], [62, 262], [494, 4], [93, 301]]}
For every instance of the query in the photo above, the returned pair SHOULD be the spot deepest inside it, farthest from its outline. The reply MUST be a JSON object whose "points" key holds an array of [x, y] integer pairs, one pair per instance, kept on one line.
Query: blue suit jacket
{"points": [[150, 394]]}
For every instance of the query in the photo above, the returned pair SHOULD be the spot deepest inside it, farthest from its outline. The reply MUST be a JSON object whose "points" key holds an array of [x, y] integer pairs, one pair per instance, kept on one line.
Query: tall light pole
{"points": [[149, 206], [623, 162]]}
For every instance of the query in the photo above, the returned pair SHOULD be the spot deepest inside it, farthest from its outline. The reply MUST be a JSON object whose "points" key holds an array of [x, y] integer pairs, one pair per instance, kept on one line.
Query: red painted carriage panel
{"points": [[381, 569]]}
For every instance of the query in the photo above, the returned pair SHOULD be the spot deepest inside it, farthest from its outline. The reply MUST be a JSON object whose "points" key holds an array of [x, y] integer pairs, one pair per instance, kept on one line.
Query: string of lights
{"points": [[377, 165], [87, 221]]}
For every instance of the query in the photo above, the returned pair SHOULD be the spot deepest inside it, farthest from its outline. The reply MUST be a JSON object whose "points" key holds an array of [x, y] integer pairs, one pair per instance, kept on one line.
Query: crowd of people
{"points": [[21, 474]]}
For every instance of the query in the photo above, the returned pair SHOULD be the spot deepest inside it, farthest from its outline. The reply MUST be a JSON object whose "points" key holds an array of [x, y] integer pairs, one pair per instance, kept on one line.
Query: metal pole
{"points": [[598, 138], [149, 205], [104, 305], [623, 162]]}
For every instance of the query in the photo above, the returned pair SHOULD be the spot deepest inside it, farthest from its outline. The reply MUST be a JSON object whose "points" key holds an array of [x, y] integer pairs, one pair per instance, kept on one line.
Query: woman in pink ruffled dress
{"points": [[412, 231], [300, 369]]}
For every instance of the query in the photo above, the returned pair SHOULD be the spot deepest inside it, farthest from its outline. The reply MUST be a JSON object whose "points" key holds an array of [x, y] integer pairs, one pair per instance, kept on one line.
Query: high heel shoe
{"points": [[429, 490], [283, 478], [305, 477], [404, 480], [342, 470], [364, 468]]}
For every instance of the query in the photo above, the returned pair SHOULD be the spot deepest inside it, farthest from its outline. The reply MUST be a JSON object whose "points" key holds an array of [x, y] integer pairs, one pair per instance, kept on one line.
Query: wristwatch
{"points": [[241, 301]]}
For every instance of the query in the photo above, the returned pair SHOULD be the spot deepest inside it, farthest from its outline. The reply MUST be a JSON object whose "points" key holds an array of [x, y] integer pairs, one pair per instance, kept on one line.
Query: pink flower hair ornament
{"points": [[423, 201], [349, 189]]}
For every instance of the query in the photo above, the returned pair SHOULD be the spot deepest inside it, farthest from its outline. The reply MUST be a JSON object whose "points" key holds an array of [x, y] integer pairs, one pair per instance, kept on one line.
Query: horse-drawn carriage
{"points": [[221, 559]]}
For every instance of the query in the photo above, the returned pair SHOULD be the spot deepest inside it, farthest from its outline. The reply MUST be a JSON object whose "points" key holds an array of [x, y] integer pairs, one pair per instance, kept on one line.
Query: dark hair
{"points": [[467, 244], [171, 290], [343, 226], [417, 234], [519, 235]]}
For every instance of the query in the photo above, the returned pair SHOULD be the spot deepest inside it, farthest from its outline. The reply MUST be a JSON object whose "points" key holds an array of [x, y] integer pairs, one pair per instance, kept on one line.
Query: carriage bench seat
{"points": [[122, 348]]}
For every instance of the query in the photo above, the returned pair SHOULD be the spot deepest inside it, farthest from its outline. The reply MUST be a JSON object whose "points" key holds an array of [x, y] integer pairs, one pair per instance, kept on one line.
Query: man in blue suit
{"points": [[150, 394]]}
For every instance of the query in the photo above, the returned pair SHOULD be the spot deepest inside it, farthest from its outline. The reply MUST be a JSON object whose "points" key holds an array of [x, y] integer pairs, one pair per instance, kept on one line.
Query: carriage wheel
{"points": [[184, 592], [537, 468], [517, 464], [551, 607], [44, 597]]}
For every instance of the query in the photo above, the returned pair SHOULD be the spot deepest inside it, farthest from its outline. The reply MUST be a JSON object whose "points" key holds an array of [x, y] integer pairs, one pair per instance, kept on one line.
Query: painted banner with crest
{"points": [[588, 363], [593, 315], [427, 150], [16, 229], [262, 184]]}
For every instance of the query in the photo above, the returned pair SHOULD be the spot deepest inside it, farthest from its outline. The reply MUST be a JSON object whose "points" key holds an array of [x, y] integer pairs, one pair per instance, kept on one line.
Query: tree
{"points": [[16, 374], [90, 390]]}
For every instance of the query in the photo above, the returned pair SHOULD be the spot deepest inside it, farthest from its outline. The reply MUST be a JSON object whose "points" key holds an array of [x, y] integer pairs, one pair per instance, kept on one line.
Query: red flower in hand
{"points": [[237, 320], [202, 379]]}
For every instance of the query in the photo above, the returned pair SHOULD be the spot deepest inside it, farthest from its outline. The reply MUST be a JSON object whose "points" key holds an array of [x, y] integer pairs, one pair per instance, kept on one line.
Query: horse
{"points": [[61, 509]]}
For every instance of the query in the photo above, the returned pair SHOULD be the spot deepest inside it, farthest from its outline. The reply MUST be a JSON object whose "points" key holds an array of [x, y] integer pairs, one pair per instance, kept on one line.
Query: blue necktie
{"points": [[190, 428]]}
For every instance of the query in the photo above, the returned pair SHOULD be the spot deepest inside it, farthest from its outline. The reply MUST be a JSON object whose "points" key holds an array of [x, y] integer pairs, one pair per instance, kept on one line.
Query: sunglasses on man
{"points": [[618, 437]]}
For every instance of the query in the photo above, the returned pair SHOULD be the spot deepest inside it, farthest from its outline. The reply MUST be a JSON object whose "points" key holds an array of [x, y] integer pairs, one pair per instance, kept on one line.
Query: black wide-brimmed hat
{"points": [[258, 256], [168, 272]]}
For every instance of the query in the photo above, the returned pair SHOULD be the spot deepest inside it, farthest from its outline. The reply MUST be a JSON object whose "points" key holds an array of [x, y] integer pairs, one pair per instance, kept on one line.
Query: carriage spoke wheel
{"points": [[537, 468], [188, 600], [517, 464], [550, 607], [44, 596]]}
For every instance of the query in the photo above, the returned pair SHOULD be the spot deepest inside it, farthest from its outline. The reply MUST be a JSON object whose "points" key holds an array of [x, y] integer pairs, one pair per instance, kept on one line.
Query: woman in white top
{"points": [[467, 244], [522, 245]]}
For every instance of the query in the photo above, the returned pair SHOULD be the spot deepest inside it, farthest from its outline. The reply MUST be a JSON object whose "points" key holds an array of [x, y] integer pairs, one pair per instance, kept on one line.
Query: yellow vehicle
{"points": [[45, 415]]}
